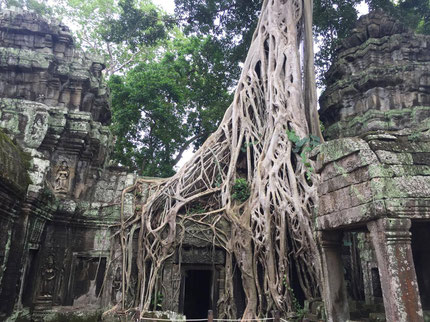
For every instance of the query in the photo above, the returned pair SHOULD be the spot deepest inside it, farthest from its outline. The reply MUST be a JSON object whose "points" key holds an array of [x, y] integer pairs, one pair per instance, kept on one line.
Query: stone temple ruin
{"points": [[60, 198], [375, 184]]}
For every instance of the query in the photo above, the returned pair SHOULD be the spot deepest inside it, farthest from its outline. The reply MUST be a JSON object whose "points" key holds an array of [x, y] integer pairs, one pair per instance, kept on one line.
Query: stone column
{"points": [[334, 287], [391, 239]]}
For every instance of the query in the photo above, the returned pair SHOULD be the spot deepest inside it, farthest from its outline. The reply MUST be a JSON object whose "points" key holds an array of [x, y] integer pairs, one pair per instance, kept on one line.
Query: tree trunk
{"points": [[272, 233]]}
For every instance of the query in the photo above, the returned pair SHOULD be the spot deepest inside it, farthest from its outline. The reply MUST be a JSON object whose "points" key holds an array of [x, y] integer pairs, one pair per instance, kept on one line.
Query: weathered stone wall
{"points": [[375, 170], [60, 203], [379, 81], [14, 181], [40, 63]]}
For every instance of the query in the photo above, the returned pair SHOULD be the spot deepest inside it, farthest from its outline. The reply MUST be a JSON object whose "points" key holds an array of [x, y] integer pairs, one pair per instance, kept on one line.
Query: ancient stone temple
{"points": [[59, 200], [375, 172]]}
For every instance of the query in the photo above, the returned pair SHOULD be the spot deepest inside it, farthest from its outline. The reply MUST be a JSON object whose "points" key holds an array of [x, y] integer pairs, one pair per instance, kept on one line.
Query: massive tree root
{"points": [[271, 232]]}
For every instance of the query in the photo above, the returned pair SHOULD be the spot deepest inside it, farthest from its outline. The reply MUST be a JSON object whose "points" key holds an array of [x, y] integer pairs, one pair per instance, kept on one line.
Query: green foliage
{"points": [[123, 32], [240, 190], [157, 301], [300, 311], [234, 21], [196, 209], [333, 20], [246, 145], [413, 13], [135, 26], [414, 136], [322, 127], [168, 103], [303, 146], [231, 22], [38, 6]]}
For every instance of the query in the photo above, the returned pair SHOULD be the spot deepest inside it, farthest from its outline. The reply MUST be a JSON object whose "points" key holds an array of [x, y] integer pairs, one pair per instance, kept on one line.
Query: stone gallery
{"points": [[64, 205]]}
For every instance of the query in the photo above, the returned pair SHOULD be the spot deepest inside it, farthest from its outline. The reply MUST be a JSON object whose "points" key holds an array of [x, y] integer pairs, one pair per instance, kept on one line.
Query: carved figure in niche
{"points": [[62, 178], [37, 131], [41, 87], [48, 277]]}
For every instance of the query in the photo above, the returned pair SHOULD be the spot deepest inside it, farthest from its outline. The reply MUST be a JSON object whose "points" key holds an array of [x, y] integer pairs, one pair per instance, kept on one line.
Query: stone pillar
{"points": [[334, 287], [391, 239]]}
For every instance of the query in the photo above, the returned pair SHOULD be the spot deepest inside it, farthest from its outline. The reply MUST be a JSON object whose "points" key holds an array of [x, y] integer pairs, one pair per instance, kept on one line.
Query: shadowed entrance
{"points": [[197, 295]]}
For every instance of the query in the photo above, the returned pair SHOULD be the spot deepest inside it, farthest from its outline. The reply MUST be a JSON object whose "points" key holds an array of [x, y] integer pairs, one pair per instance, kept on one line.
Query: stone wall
{"points": [[59, 198], [14, 181], [54, 105], [379, 81], [375, 178]]}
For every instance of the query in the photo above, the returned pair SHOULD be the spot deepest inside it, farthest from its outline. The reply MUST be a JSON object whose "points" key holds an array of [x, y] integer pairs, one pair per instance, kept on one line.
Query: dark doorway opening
{"points": [[29, 278], [197, 297], [420, 252], [238, 291], [88, 271]]}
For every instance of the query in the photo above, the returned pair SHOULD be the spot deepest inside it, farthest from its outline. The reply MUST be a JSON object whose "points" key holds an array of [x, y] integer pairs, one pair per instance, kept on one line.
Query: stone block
{"points": [[352, 217], [388, 157]]}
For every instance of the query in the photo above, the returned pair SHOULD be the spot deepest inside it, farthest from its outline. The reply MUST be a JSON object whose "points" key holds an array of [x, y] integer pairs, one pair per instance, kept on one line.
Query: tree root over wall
{"points": [[272, 230]]}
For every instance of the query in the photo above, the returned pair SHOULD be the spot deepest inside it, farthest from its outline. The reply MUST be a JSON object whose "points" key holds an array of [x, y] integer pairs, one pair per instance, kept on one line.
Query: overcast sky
{"points": [[167, 5]]}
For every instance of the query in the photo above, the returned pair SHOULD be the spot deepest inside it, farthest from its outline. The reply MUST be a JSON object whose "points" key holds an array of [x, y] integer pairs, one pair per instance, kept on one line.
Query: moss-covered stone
{"points": [[14, 164], [74, 317]]}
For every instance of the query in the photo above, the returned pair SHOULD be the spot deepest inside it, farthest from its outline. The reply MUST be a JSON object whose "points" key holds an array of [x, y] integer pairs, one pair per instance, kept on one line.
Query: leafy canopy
{"points": [[170, 92], [168, 103], [136, 26], [232, 22]]}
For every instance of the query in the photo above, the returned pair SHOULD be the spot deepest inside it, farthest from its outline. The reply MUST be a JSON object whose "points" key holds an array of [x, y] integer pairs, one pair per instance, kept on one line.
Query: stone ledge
{"points": [[354, 216], [357, 176], [407, 120]]}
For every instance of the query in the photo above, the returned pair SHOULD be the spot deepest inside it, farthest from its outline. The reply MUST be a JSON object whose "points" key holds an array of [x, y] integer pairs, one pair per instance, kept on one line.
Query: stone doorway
{"points": [[86, 279], [30, 275], [197, 291], [420, 251]]}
